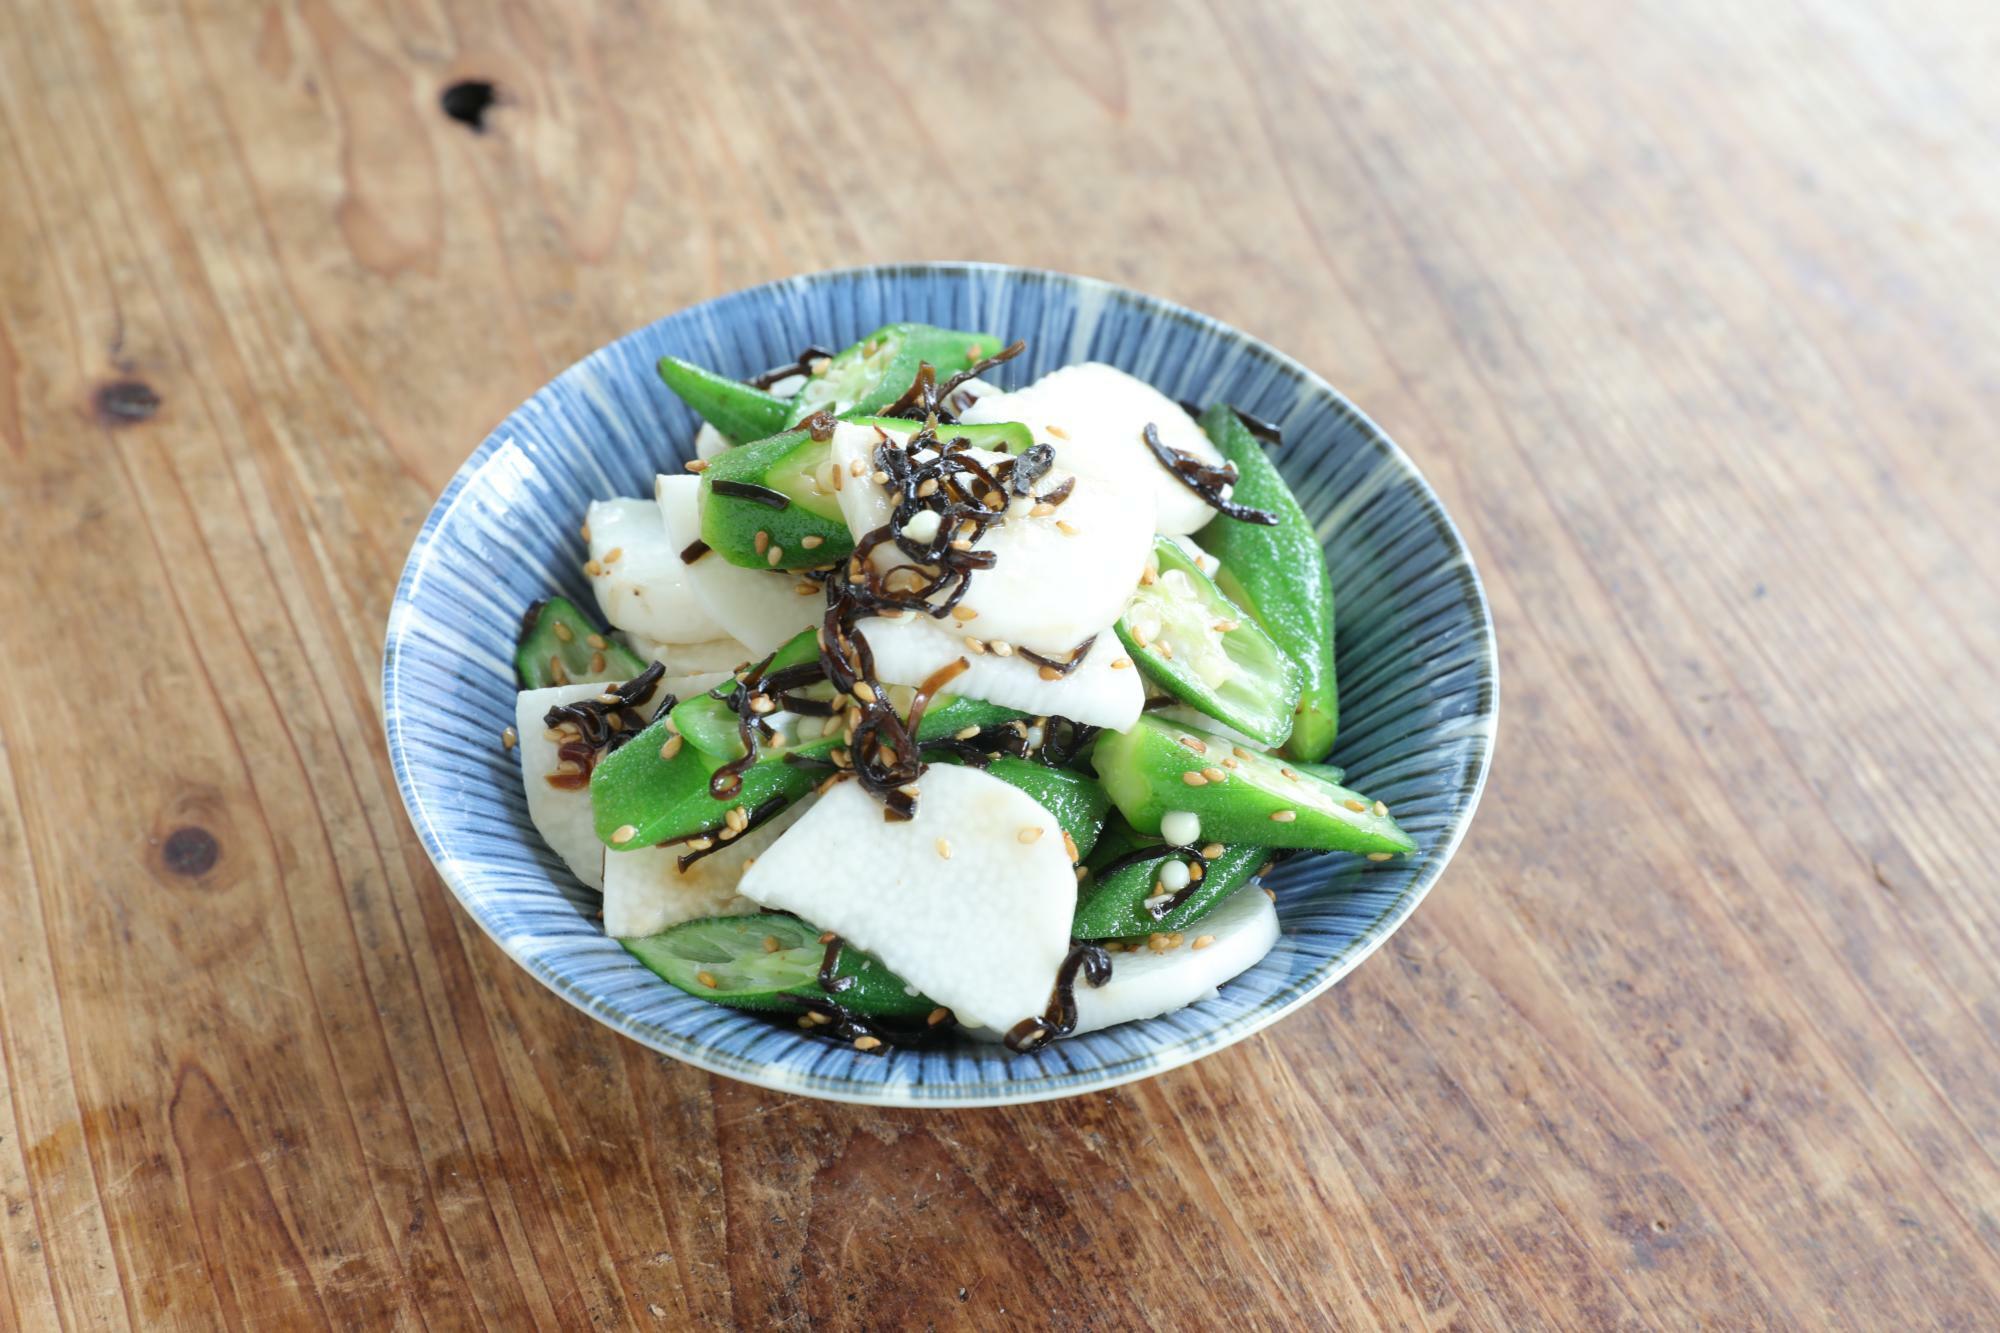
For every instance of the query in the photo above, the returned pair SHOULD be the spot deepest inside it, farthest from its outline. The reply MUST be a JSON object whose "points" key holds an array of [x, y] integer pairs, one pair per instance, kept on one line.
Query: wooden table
{"points": [[1686, 308]]}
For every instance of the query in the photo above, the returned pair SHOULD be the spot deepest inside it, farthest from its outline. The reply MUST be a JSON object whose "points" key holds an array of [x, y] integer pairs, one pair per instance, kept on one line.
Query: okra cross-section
{"points": [[1207, 651]]}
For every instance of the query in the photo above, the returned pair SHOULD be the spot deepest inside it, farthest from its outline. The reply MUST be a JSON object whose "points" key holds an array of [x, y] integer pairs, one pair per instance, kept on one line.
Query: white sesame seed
{"points": [[624, 833], [1381, 856], [944, 848], [774, 555], [509, 739], [1030, 833], [696, 465], [671, 748], [1121, 664], [812, 542], [1203, 941]]}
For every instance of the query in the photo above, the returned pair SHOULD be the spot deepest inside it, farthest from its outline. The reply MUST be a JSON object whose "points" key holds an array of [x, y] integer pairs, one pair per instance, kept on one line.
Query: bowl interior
{"points": [[1417, 666]]}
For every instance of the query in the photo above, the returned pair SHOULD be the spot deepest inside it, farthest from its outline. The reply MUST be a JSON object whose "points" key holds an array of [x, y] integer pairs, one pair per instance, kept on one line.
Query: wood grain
{"points": [[1685, 308]]}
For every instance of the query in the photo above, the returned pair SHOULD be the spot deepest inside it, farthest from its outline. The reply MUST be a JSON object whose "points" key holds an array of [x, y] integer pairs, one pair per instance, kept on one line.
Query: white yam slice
{"points": [[1057, 579], [954, 900], [646, 891], [910, 651], [1147, 984], [1099, 413], [643, 587], [560, 814], [760, 608]]}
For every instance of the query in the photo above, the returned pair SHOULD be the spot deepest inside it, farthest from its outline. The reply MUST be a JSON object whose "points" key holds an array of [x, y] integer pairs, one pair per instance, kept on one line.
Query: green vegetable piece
{"points": [[1153, 769], [731, 960], [740, 411], [1208, 652], [1278, 574], [1077, 802], [554, 631], [783, 488], [651, 797], [709, 724], [875, 372], [1113, 905]]}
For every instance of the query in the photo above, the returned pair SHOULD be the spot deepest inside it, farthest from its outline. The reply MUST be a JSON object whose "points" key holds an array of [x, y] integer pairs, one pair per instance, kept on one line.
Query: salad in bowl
{"points": [[923, 706]]}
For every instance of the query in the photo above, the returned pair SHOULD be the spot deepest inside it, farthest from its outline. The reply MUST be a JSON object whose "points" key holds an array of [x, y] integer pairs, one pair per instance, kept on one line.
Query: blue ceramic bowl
{"points": [[1418, 680]]}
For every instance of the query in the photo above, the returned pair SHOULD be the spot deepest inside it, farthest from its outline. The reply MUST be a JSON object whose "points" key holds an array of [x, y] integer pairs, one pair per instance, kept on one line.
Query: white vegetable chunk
{"points": [[646, 891], [1101, 412], [953, 900], [1058, 577], [560, 815], [910, 651], [691, 667], [1145, 984], [708, 442], [643, 587], [1203, 561], [760, 608]]}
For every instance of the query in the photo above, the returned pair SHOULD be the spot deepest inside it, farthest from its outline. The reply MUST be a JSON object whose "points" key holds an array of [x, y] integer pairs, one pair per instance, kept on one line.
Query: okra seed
{"points": [[1229, 761], [707, 979], [1215, 775], [1239, 752], [1227, 626], [1283, 816], [624, 833], [596, 641], [596, 663], [558, 672], [1193, 743], [1194, 779], [1288, 773], [1356, 806], [771, 944], [1381, 856], [1030, 833], [563, 631]]}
